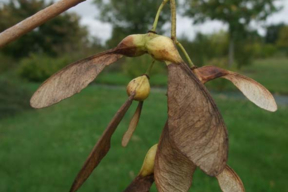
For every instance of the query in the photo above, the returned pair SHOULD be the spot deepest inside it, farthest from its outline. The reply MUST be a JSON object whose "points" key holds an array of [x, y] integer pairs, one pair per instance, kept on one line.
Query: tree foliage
{"points": [[206, 47], [272, 33], [282, 41], [130, 16], [61, 34], [236, 13]]}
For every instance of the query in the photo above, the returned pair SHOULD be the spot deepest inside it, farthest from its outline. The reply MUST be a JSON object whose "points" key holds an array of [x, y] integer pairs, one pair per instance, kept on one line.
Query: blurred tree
{"points": [[236, 13], [14, 98], [282, 41], [211, 49], [199, 49], [130, 16], [62, 34], [272, 33], [206, 47]]}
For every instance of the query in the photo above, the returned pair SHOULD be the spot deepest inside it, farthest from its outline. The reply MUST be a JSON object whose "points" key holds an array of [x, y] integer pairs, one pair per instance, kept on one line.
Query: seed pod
{"points": [[141, 86], [162, 48], [159, 47], [148, 164], [132, 45], [145, 178]]}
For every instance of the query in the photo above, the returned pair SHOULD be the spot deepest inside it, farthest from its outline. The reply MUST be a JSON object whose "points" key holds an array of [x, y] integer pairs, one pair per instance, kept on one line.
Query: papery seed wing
{"points": [[133, 124], [253, 90], [72, 79], [229, 181], [102, 146], [140, 184], [195, 124], [173, 171]]}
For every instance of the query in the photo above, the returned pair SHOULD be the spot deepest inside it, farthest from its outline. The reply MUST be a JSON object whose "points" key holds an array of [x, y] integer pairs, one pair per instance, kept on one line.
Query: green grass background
{"points": [[43, 150]]}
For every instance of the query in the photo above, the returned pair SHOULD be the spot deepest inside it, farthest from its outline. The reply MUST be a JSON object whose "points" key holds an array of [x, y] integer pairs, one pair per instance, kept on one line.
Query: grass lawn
{"points": [[43, 150], [272, 73]]}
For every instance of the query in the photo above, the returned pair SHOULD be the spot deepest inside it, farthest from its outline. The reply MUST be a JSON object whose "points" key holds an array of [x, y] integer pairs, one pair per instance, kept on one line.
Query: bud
{"points": [[162, 48], [141, 87], [148, 164], [132, 45]]}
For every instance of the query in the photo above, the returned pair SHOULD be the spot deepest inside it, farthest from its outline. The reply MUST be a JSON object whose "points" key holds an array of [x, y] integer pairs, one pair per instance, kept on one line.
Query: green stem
{"points": [[191, 64], [149, 68], [173, 20], [157, 15]]}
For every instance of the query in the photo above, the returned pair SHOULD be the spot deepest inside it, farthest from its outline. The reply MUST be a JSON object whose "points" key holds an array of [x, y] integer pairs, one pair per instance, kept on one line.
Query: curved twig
{"points": [[35, 20]]}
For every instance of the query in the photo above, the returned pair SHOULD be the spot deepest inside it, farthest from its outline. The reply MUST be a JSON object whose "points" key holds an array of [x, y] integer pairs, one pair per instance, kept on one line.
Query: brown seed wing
{"points": [[173, 171], [102, 146], [72, 79], [140, 184], [208, 73], [229, 181], [195, 124], [253, 90], [133, 124]]}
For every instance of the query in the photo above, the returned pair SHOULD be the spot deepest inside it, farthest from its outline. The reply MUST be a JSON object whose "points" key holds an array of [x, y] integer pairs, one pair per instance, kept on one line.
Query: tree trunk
{"points": [[231, 52]]}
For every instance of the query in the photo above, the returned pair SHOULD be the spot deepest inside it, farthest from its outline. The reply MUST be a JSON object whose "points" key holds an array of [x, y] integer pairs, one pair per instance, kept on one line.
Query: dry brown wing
{"points": [[208, 73], [133, 124], [253, 90], [229, 181], [195, 123], [72, 79], [173, 171], [102, 146], [140, 184]]}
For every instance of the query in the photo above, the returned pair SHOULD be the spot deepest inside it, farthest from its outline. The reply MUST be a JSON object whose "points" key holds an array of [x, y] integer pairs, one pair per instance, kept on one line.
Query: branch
{"points": [[173, 20], [158, 14], [35, 20], [191, 64]]}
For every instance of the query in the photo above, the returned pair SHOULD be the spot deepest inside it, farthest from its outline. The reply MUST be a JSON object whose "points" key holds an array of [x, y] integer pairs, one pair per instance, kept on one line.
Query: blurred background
{"points": [[43, 150]]}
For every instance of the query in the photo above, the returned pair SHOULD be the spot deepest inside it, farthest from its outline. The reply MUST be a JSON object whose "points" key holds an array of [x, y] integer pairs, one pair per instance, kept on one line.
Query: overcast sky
{"points": [[89, 12]]}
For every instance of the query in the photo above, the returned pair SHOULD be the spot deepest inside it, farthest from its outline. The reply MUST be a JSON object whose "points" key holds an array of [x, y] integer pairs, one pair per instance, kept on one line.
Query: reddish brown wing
{"points": [[140, 184], [253, 90], [195, 124], [173, 171], [101, 148], [72, 79], [132, 126]]}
